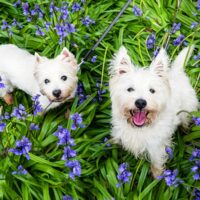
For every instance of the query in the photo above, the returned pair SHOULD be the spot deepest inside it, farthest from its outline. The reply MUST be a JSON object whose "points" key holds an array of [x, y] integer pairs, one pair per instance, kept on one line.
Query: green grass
{"points": [[47, 177]]}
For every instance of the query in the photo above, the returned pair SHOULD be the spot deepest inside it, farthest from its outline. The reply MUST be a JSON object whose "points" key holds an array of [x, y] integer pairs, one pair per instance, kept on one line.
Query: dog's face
{"points": [[138, 94], [57, 77]]}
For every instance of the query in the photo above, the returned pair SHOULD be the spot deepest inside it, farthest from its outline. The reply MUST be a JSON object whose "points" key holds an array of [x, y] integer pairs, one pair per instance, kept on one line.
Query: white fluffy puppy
{"points": [[55, 80], [146, 103]]}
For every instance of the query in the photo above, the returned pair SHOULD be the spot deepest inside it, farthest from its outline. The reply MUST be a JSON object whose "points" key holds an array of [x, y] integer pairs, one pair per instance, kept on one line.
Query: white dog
{"points": [[146, 103], [55, 80]]}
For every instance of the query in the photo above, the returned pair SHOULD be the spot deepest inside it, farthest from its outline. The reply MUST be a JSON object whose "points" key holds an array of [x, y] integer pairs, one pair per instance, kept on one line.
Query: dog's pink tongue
{"points": [[139, 118]]}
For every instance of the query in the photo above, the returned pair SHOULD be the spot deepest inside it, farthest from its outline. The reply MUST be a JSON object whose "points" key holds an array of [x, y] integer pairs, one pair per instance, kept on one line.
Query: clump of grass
{"points": [[85, 164]]}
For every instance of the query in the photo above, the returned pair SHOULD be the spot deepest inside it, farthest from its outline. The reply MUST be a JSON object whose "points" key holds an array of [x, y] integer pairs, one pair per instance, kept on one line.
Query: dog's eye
{"points": [[46, 81], [64, 78], [130, 89], [152, 91]]}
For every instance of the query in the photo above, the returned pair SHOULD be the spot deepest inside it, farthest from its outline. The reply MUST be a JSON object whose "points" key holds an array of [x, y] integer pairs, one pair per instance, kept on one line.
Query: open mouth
{"points": [[139, 117]]}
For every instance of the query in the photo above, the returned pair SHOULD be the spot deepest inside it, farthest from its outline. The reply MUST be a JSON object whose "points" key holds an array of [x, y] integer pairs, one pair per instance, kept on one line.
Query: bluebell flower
{"points": [[77, 121], [194, 25], [80, 93], [137, 11], [94, 59], [17, 3], [151, 41], [37, 11], [196, 120], [75, 167], [20, 171], [123, 175], [68, 153], [195, 154], [16, 24], [169, 151], [83, 1], [2, 85], [19, 112], [25, 7], [64, 136], [67, 197], [198, 5], [64, 12], [47, 25], [196, 193], [52, 8], [87, 21], [105, 140], [178, 40], [2, 126], [171, 178], [197, 57], [176, 27], [100, 92], [4, 25], [23, 147], [34, 127], [70, 28], [155, 53], [39, 31], [76, 7], [6, 116], [195, 159], [37, 107]]}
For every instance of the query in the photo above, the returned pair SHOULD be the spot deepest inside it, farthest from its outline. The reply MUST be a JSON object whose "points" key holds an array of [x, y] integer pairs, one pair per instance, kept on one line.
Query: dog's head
{"points": [[138, 95], [57, 78]]}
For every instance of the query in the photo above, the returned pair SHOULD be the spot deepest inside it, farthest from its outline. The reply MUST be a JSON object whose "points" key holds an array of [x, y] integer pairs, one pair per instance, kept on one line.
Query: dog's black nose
{"points": [[140, 103], [56, 93]]}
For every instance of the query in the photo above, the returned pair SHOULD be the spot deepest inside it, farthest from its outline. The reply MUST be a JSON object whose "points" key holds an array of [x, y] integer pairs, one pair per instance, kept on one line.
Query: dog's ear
{"points": [[121, 62], [183, 58], [65, 54], [160, 64]]}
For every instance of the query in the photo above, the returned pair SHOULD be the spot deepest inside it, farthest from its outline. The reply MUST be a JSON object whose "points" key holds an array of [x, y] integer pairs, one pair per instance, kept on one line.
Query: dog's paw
{"points": [[8, 98], [156, 171]]}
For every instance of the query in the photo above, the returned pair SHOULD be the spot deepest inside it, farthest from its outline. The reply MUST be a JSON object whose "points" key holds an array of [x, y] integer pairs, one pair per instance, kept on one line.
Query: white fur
{"points": [[173, 94], [20, 69]]}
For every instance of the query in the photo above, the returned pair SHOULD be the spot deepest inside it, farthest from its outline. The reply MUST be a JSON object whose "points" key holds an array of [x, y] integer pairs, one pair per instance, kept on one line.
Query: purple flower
{"points": [[6, 116], [196, 120], [70, 28], [34, 127], [52, 8], [2, 85], [169, 151], [198, 5], [16, 4], [155, 53], [87, 21], [19, 112], [20, 171], [123, 175], [76, 7], [80, 93], [75, 167], [64, 136], [196, 193], [94, 59], [137, 11], [4, 25], [194, 25], [47, 25], [64, 12], [37, 108], [37, 11], [105, 140], [178, 40], [67, 197], [16, 24], [39, 31], [195, 154], [23, 147], [2, 126], [151, 41], [170, 178], [176, 27], [77, 121], [197, 57], [25, 7], [68, 153]]}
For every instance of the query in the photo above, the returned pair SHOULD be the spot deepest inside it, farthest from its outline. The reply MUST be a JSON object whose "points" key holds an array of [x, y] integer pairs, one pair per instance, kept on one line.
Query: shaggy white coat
{"points": [[173, 93]]}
